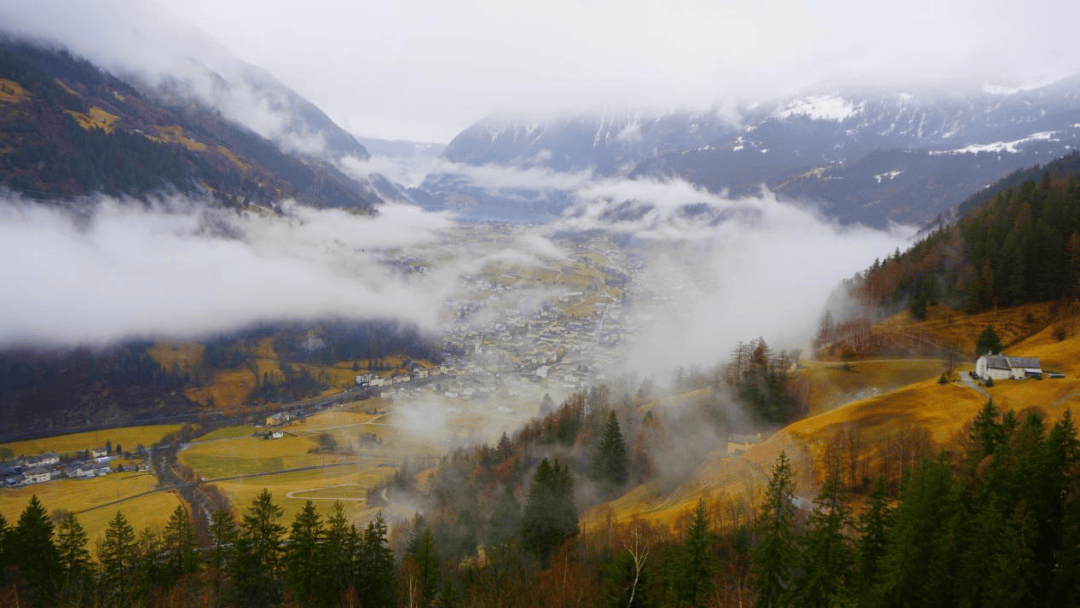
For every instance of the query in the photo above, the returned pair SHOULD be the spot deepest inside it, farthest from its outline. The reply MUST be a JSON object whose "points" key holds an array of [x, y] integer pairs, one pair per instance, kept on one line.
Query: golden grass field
{"points": [[719, 480], [317, 486], [915, 399], [84, 497], [833, 384], [150, 511], [247, 455], [127, 438], [228, 432]]}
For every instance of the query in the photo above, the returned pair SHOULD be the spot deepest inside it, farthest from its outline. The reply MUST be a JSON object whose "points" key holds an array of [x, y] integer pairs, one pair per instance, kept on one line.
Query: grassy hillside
{"points": [[889, 426]]}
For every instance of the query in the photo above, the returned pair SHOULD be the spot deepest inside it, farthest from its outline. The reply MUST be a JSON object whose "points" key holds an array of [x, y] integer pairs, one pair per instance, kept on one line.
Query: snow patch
{"points": [[890, 175], [999, 146], [822, 107]]}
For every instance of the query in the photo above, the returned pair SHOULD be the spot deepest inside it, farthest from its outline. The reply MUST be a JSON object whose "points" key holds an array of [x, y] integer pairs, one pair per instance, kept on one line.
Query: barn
{"points": [[1004, 367]]}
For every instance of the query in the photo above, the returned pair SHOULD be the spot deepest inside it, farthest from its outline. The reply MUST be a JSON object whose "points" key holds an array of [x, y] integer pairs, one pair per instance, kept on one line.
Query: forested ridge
{"points": [[991, 518], [1018, 242], [44, 390]]}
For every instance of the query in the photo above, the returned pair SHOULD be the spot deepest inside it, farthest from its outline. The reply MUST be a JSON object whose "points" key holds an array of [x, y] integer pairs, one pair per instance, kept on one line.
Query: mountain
{"points": [[871, 157], [68, 129]]}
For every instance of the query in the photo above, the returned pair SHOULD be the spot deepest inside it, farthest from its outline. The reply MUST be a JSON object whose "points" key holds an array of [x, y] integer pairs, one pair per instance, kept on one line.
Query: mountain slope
{"points": [[865, 157], [75, 130]]}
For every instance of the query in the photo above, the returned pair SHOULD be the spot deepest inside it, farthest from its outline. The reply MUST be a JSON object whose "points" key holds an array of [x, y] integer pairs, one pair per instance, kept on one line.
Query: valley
{"points": [[681, 325]]}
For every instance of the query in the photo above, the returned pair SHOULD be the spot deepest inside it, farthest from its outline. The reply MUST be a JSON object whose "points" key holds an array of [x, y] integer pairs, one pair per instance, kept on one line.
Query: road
{"points": [[230, 478]]}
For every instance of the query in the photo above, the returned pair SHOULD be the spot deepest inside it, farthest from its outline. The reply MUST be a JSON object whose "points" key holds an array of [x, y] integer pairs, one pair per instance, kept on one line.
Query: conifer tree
{"points": [[916, 569], [610, 463], [303, 554], [826, 553], [5, 552], [118, 554], [180, 543], [773, 555], [376, 571], [32, 551], [339, 551], [258, 554], [71, 540], [222, 554], [427, 564], [988, 342], [697, 560], [550, 516], [872, 526]]}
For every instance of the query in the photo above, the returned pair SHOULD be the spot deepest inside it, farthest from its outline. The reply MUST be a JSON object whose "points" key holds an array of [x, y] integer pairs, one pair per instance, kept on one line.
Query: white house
{"points": [[39, 475], [43, 460], [1003, 367]]}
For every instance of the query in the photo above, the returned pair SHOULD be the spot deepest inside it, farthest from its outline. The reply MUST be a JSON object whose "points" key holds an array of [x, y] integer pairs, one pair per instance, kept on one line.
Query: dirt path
{"points": [[970, 383], [340, 485]]}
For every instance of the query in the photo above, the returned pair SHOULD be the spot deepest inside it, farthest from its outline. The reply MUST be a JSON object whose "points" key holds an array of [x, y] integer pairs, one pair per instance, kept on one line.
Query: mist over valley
{"points": [[321, 307]]}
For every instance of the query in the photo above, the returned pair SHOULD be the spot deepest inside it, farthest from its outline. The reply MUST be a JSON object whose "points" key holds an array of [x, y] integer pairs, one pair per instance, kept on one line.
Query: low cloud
{"points": [[721, 270], [718, 270], [178, 269]]}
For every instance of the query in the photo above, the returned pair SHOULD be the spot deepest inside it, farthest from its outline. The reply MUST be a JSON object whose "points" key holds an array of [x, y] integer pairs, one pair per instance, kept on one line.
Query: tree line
{"points": [[992, 520], [318, 561], [1020, 243]]}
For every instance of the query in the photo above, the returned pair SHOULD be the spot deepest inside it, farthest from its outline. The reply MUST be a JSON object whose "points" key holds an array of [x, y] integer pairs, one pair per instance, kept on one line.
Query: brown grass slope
{"points": [[943, 410]]}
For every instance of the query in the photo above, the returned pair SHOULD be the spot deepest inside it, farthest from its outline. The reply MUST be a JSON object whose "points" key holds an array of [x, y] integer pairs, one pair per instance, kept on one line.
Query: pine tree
{"points": [[5, 549], [610, 463], [376, 570], [988, 342], [339, 551], [550, 516], [222, 554], [180, 543], [118, 554], [71, 540], [773, 555], [32, 551], [427, 564], [872, 526], [303, 555], [916, 569], [697, 560], [826, 553], [258, 555]]}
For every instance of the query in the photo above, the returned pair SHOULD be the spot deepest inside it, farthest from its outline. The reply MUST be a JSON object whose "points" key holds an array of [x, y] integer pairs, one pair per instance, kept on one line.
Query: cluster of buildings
{"points": [[41, 468]]}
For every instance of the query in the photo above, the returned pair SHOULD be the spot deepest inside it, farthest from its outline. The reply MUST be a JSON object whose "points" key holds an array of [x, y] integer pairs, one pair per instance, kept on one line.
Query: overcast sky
{"points": [[424, 69]]}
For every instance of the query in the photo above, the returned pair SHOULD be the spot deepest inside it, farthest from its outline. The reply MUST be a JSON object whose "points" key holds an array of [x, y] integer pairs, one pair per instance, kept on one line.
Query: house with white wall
{"points": [[1004, 367]]}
